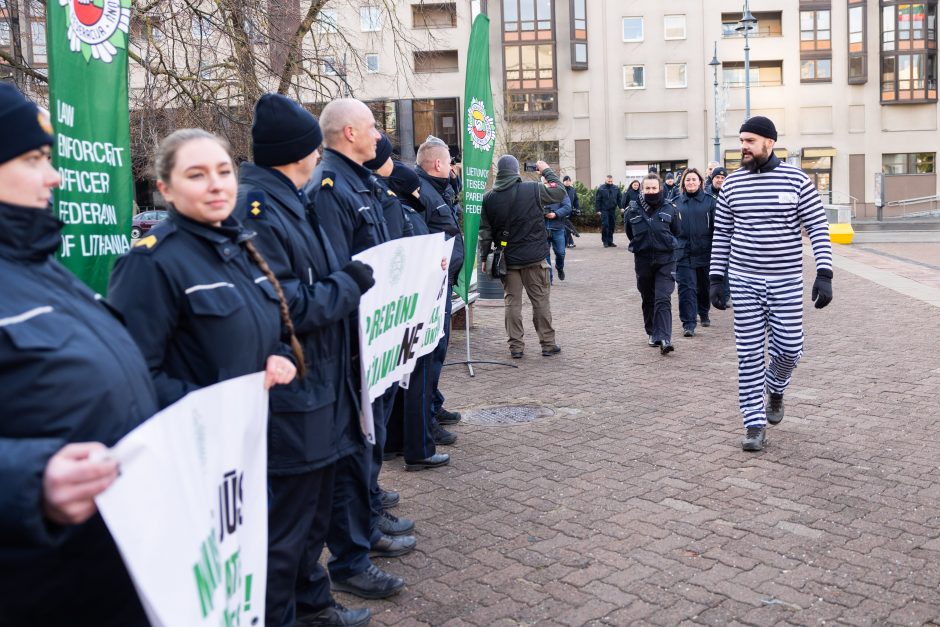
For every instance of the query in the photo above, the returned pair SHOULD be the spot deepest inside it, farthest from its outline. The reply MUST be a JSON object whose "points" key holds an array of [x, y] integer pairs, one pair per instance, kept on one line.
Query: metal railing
{"points": [[932, 201], [835, 196]]}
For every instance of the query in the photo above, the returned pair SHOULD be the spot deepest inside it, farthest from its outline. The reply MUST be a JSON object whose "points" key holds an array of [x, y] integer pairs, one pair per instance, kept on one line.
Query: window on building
{"points": [[326, 22], [908, 51], [632, 29], [634, 77], [763, 73], [372, 63], [769, 24], [201, 28], [433, 61], [532, 151], [529, 58], [386, 121], [37, 31], [370, 19], [579, 47], [676, 76], [438, 117], [909, 163], [434, 15], [815, 42], [328, 65], [674, 27], [858, 42], [5, 39]]}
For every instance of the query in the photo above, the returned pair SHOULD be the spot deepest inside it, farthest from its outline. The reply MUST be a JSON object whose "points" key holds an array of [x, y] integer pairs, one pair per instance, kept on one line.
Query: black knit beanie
{"points": [[383, 150], [23, 125], [759, 125], [403, 180], [507, 163], [283, 132], [719, 171]]}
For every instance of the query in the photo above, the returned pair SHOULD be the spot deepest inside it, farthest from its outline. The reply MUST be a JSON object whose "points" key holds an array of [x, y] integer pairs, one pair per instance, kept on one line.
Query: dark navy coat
{"points": [[696, 229], [562, 211], [199, 308], [607, 197], [347, 200], [413, 208], [314, 422], [396, 216], [652, 232], [69, 372], [442, 215], [575, 201]]}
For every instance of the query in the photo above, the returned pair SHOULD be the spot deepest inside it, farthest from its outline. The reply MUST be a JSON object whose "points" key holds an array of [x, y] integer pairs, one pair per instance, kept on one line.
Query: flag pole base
{"points": [[469, 362]]}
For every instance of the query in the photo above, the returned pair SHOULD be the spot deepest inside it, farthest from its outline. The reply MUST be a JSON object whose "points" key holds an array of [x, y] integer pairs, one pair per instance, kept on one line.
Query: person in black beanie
{"points": [[761, 212], [314, 422], [72, 383]]}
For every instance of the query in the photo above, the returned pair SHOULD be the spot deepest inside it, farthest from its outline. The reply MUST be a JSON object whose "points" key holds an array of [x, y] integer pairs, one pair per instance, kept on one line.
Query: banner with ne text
{"points": [[189, 511], [479, 137], [402, 317], [87, 44]]}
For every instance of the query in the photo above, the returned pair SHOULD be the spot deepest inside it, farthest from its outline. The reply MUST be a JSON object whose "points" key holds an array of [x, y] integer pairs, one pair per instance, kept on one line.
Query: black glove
{"points": [[361, 274], [822, 288], [716, 291]]}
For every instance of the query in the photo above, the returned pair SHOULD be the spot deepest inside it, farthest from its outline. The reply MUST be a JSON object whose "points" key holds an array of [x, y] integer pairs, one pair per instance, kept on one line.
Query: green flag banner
{"points": [[87, 43], [478, 140]]}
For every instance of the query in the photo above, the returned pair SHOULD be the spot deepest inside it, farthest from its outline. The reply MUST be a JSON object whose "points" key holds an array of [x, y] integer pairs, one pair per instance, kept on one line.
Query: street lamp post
{"points": [[714, 63], [747, 23]]}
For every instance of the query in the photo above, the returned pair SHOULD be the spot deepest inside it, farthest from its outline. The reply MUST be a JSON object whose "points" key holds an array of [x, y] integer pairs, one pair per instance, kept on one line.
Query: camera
{"points": [[455, 160], [530, 167]]}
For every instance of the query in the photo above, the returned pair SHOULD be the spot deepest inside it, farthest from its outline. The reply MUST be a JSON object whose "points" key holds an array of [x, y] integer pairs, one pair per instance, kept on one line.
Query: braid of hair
{"points": [[285, 311]]}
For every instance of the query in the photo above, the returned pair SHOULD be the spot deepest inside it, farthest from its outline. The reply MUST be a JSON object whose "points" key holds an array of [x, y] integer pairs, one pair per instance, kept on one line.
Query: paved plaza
{"points": [[634, 504]]}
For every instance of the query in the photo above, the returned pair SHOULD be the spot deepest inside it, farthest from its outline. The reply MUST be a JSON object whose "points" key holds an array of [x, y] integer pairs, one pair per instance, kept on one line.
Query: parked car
{"points": [[145, 221]]}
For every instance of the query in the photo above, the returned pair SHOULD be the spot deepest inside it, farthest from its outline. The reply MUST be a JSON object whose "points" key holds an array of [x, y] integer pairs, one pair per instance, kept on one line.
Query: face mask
{"points": [[654, 200]]}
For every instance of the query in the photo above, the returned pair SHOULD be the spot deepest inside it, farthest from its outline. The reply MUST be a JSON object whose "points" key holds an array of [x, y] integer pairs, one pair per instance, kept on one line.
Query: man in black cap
{"points": [[670, 189], [513, 217], [761, 209], [606, 202], [570, 231], [314, 423]]}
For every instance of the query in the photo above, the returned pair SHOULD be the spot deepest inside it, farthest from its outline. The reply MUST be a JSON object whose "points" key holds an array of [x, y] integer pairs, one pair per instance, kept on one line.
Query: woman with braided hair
{"points": [[197, 296]]}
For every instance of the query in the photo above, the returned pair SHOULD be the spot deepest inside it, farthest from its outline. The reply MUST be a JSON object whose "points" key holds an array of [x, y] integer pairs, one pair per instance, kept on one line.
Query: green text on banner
{"points": [[87, 43]]}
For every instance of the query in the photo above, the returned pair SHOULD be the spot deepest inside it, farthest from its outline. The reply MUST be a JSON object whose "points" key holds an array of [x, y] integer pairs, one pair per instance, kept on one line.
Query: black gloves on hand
{"points": [[716, 291], [361, 274], [822, 288]]}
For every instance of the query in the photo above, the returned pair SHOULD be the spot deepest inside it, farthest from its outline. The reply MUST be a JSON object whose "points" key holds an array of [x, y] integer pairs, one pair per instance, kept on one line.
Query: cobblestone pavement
{"points": [[634, 504]]}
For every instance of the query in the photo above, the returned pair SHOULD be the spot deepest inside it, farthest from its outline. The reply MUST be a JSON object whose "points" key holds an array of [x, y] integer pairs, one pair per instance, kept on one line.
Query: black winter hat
{"points": [[24, 126], [759, 125], [283, 132], [403, 180], [719, 171], [383, 150]]}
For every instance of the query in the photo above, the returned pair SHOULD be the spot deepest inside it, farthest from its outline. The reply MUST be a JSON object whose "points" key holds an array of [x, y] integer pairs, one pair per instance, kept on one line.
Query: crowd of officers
{"points": [[670, 227], [252, 271]]}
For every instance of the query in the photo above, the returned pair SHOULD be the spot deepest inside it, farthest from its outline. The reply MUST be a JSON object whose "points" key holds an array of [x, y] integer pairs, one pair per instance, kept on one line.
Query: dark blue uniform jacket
{"points": [[652, 231], [442, 215], [347, 200], [607, 197], [69, 372], [562, 210], [198, 307], [696, 229], [314, 422]]}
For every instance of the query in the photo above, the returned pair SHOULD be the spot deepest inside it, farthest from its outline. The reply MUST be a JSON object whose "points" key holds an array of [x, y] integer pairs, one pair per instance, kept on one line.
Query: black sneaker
{"points": [[441, 436], [754, 439], [651, 342], [393, 546], [392, 525], [706, 322], [666, 347], [445, 417], [336, 616], [553, 350], [561, 274], [389, 498], [774, 408], [372, 583], [612, 245], [688, 333]]}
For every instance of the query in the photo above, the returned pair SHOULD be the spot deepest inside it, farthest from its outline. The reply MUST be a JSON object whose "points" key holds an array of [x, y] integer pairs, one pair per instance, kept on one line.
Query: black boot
{"points": [[754, 439]]}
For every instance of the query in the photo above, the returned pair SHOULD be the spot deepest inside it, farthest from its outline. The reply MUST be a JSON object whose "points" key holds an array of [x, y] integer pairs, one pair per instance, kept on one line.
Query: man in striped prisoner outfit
{"points": [[757, 239]]}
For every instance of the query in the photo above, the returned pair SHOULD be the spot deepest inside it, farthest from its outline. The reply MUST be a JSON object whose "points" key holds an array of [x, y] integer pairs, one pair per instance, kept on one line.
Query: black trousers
{"points": [[608, 224], [381, 411], [299, 509], [656, 282]]}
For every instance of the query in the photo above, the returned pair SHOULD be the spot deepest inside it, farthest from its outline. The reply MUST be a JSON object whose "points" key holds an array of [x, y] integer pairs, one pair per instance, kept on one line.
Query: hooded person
{"points": [[513, 218]]}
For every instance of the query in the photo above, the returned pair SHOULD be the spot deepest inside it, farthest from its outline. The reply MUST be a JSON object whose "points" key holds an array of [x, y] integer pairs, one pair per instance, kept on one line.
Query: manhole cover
{"points": [[507, 415]]}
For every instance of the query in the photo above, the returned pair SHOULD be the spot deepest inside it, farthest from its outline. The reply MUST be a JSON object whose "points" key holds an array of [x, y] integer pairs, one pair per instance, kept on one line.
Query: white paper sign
{"points": [[402, 317], [189, 511]]}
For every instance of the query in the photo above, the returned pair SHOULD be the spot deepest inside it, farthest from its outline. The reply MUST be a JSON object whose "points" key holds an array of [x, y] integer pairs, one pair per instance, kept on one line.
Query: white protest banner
{"points": [[189, 511], [401, 318]]}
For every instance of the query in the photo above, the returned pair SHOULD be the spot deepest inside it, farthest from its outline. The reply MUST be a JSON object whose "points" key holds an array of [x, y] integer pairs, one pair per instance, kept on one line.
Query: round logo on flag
{"points": [[97, 28], [480, 126]]}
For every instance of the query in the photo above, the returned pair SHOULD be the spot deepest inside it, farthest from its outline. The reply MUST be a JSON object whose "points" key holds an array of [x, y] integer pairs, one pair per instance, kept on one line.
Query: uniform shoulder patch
{"points": [[328, 180], [391, 193], [255, 201], [149, 242]]}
